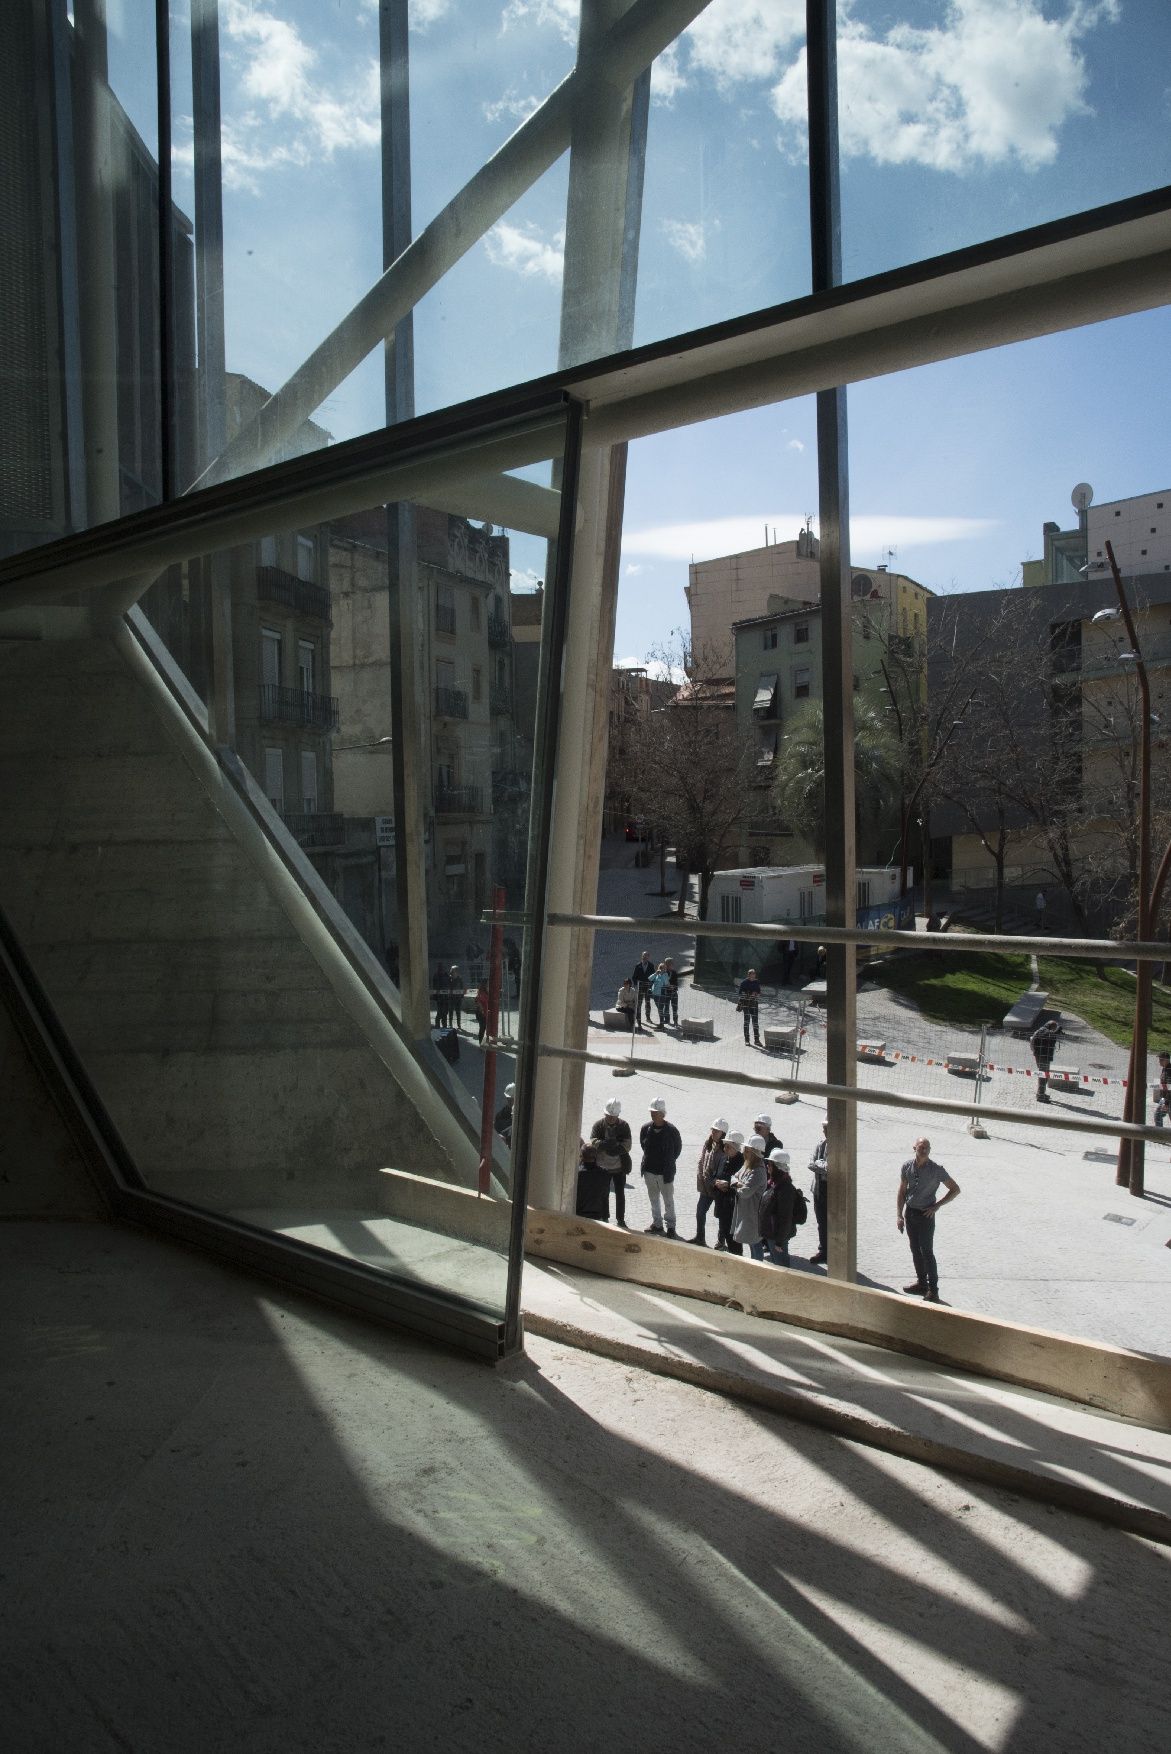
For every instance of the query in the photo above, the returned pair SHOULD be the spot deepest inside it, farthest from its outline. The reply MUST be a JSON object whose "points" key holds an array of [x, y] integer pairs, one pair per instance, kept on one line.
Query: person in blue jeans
{"points": [[919, 1182], [661, 994]]}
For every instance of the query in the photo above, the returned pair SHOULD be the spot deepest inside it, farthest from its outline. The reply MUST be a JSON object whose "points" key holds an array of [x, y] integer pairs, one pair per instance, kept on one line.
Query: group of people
{"points": [[448, 992], [650, 984], [746, 1184]]}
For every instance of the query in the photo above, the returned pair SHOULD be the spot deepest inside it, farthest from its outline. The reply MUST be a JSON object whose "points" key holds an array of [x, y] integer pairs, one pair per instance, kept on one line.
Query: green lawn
{"points": [[1104, 996], [971, 989], [956, 988]]}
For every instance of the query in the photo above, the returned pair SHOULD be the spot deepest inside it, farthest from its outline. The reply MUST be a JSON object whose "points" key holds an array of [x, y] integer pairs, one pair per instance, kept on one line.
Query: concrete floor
{"points": [[235, 1519]]}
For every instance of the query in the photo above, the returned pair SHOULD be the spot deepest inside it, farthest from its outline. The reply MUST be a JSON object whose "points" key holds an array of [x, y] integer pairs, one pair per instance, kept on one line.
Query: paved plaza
{"points": [[1040, 1235]]}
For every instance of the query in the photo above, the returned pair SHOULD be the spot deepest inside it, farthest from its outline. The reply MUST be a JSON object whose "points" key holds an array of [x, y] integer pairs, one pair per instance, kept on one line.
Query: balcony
{"points": [[451, 703], [457, 801], [316, 828], [445, 617], [497, 630], [302, 596], [499, 700], [297, 706]]}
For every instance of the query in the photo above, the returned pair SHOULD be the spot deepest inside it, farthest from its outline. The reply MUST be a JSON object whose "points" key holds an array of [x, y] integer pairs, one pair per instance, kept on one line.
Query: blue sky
{"points": [[960, 119]]}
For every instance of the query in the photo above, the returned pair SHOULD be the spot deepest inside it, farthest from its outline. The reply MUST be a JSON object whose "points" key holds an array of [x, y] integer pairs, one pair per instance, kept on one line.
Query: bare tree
{"points": [[691, 770]]}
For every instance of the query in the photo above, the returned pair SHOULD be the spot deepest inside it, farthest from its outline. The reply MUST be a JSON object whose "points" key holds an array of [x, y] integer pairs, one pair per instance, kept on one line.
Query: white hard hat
{"points": [[735, 1139], [764, 1122], [510, 1090], [756, 1143], [719, 1126], [658, 1106], [779, 1156], [614, 1107]]}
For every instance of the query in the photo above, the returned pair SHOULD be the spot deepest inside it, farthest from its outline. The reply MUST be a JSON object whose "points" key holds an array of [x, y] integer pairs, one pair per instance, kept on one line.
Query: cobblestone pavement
{"points": [[1041, 1234]]}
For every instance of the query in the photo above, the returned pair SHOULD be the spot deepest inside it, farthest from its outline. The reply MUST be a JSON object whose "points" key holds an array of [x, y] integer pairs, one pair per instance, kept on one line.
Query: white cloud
{"points": [[745, 39], [632, 569], [561, 15], [995, 80], [795, 445], [277, 111], [523, 250], [422, 13], [735, 535], [511, 107], [667, 77], [687, 236], [524, 580]]}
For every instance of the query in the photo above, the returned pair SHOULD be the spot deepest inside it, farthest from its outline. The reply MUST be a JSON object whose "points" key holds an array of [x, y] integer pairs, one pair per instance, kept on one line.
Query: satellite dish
{"points": [[1081, 496]]}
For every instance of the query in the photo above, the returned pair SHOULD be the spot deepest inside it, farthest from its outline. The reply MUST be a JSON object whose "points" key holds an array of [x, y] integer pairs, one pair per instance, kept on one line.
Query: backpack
{"points": [[800, 1207]]}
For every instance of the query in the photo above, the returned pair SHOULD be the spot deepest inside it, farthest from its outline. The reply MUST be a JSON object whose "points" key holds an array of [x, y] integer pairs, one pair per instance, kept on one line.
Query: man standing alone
{"points": [[644, 968], [661, 1146], [1043, 1042], [916, 1207]]}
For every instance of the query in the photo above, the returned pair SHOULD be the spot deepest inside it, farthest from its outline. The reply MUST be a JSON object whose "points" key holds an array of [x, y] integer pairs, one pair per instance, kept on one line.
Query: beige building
{"points": [[781, 576]]}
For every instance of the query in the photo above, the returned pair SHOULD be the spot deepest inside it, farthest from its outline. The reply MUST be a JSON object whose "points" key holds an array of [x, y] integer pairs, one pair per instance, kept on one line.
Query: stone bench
{"points": [[616, 1020], [778, 1035], [964, 1062], [697, 1028], [1021, 1019], [872, 1050]]}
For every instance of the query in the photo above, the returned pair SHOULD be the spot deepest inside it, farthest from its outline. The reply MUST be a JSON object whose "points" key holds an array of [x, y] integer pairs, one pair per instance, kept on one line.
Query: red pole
{"points": [[488, 1100]]}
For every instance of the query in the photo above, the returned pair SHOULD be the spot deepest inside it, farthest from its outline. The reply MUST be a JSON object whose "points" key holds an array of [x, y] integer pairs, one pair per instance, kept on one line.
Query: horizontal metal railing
{"points": [[943, 943], [458, 801], [274, 585]]}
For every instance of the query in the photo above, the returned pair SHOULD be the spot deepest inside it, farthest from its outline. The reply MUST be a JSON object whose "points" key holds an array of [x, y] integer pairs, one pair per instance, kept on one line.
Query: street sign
{"points": [[384, 831]]}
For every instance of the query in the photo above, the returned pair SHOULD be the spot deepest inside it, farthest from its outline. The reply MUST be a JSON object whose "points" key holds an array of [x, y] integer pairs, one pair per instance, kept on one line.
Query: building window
{"points": [[768, 639], [268, 551], [801, 634], [306, 557], [306, 666], [309, 782], [730, 910], [864, 892], [270, 657], [474, 612], [765, 698], [274, 778], [801, 683], [477, 683], [444, 609]]}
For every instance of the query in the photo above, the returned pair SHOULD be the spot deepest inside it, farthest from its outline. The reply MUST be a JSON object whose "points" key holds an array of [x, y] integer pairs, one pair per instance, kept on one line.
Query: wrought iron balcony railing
{"points": [[451, 703], [315, 828], [298, 706], [457, 801], [274, 585]]}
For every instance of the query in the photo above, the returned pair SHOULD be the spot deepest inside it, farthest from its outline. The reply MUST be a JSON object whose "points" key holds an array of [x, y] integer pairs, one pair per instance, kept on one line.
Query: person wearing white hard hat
{"points": [[723, 1195], [711, 1164], [661, 1146], [610, 1137], [748, 1185], [778, 1209], [763, 1124], [503, 1121]]}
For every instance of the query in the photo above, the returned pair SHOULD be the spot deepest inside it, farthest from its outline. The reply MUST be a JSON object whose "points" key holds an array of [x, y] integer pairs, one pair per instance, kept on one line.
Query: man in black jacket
{"points": [[641, 977], [1043, 1042], [661, 1146]]}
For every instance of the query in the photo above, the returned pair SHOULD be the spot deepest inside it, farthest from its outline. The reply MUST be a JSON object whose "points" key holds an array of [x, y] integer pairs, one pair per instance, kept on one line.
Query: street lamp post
{"points": [[1131, 1169]]}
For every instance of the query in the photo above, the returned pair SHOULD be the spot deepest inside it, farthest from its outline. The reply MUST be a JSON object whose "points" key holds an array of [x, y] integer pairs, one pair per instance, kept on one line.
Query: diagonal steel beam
{"points": [[649, 27]]}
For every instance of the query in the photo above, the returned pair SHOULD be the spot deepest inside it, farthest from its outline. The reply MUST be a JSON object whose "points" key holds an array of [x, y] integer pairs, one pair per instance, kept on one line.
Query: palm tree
{"points": [[799, 780]]}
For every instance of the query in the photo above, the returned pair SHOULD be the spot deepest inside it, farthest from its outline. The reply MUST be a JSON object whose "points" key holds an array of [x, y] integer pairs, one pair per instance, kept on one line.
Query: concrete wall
{"points": [[228, 1053], [42, 1172]]}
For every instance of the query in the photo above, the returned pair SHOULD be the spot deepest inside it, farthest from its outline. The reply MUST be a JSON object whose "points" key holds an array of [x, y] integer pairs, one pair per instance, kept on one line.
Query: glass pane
{"points": [[79, 335], [1028, 819], [234, 922], [965, 121]]}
